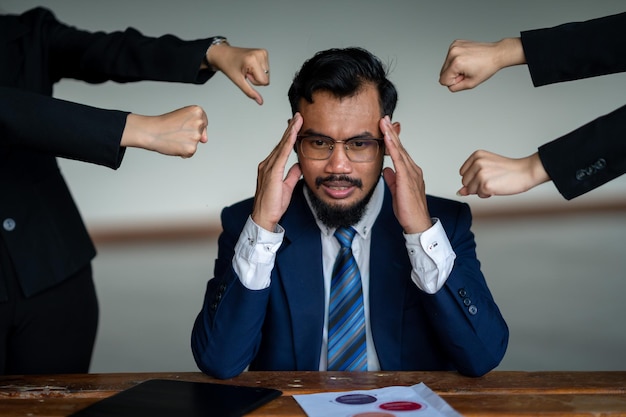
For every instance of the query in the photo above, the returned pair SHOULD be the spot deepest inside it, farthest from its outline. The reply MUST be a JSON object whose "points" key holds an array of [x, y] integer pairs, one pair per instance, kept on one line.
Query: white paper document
{"points": [[415, 401]]}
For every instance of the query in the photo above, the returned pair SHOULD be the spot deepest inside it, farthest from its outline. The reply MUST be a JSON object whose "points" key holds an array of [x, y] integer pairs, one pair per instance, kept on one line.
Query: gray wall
{"points": [[149, 294], [506, 115]]}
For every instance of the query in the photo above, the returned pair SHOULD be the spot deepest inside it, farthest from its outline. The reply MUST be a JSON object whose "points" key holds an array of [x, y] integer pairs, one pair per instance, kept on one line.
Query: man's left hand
{"points": [[406, 183]]}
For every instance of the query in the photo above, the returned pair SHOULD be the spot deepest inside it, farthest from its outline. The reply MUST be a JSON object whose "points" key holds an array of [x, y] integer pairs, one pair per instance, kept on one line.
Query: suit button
{"points": [[472, 310], [8, 224], [467, 302], [462, 292], [214, 306]]}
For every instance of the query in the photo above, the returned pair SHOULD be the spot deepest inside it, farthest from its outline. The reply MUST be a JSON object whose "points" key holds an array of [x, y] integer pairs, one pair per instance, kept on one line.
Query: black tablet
{"points": [[162, 397]]}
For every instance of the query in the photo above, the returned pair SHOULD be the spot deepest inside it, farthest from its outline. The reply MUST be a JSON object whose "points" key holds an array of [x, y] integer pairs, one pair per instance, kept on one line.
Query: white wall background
{"points": [[539, 270]]}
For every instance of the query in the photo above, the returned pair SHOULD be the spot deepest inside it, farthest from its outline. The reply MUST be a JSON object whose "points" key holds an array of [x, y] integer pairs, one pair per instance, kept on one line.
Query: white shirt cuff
{"points": [[255, 253], [432, 257]]}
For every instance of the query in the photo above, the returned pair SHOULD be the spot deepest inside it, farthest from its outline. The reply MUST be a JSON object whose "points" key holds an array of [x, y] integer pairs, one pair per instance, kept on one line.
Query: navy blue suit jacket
{"points": [[280, 328]]}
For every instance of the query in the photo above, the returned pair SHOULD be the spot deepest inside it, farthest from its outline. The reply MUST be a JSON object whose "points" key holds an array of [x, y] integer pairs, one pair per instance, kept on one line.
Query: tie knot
{"points": [[345, 235]]}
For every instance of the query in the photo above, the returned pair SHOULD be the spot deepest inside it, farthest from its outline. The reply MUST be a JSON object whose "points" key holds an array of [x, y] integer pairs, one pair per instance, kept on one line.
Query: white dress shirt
{"points": [[430, 253]]}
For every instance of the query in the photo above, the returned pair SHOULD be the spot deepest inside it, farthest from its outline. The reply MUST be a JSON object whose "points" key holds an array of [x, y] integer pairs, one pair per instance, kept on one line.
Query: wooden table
{"points": [[499, 393]]}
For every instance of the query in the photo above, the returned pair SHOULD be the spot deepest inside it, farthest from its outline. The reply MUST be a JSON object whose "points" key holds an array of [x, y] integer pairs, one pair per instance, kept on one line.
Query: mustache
{"points": [[342, 178]]}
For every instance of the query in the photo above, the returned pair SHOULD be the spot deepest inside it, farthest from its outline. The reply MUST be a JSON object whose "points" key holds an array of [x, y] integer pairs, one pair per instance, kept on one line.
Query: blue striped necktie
{"points": [[346, 318]]}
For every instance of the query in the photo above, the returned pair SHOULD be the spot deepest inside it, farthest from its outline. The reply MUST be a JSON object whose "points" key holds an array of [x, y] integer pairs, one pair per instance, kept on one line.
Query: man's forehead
{"points": [[340, 118], [354, 106], [367, 90]]}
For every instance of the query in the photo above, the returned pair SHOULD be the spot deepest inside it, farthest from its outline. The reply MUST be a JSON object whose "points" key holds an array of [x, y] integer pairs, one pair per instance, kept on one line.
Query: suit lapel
{"points": [[299, 266], [388, 280]]}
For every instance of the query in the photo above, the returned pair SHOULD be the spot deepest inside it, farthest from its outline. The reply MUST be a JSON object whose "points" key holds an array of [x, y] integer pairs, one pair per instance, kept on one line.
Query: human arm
{"points": [[487, 174], [61, 128], [66, 129], [128, 56], [587, 157], [576, 163], [467, 321], [474, 338], [227, 332], [561, 53], [429, 249], [576, 50], [470, 63]]}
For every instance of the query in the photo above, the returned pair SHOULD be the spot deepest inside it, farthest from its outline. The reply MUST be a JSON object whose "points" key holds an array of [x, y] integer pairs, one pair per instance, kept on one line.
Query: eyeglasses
{"points": [[321, 148]]}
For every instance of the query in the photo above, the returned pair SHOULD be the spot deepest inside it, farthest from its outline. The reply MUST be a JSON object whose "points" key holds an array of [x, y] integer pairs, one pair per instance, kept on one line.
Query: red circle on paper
{"points": [[401, 406]]}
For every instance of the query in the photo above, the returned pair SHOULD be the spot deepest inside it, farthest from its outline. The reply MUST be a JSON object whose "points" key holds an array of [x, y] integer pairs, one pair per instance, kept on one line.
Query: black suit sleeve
{"points": [[588, 157], [28, 121], [576, 50], [121, 56], [595, 153]]}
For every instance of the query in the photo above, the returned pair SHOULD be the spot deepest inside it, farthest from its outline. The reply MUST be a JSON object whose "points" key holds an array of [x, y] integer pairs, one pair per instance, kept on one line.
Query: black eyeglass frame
{"points": [[332, 142]]}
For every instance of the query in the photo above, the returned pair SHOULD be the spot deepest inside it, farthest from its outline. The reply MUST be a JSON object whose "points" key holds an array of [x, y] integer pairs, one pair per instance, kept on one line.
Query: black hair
{"points": [[343, 73]]}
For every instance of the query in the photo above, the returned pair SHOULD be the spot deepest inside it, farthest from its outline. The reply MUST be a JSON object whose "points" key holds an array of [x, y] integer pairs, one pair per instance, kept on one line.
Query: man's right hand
{"points": [[274, 189]]}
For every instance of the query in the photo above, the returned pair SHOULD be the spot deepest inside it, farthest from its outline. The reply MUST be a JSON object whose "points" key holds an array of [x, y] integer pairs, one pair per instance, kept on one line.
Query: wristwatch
{"points": [[217, 40]]}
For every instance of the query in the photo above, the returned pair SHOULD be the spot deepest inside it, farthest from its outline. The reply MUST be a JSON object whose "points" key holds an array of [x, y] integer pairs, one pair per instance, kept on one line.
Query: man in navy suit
{"points": [[425, 301]]}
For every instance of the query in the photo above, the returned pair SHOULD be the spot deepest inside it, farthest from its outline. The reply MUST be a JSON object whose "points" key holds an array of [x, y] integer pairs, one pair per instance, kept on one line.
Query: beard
{"points": [[334, 215]]}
